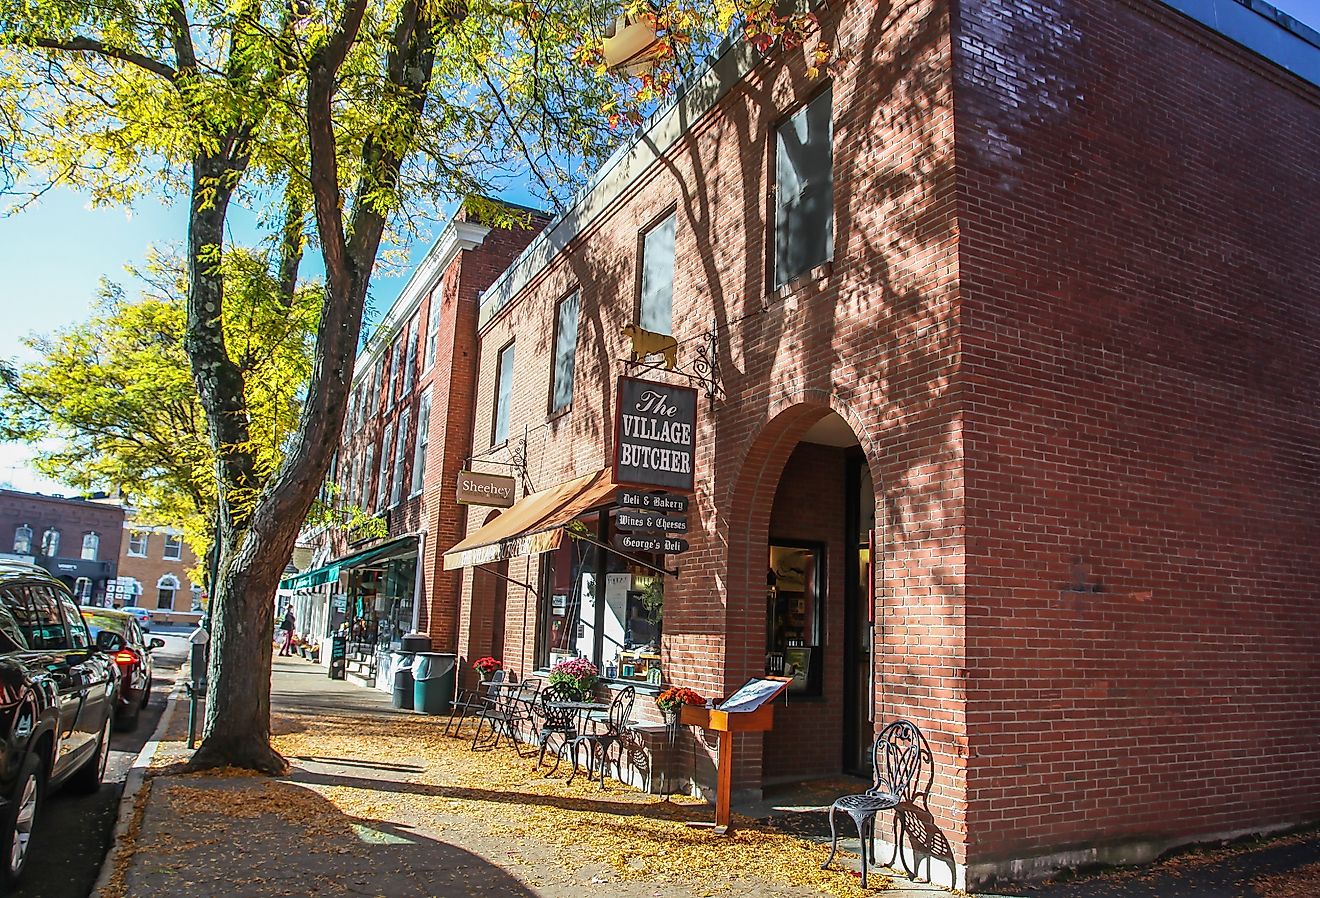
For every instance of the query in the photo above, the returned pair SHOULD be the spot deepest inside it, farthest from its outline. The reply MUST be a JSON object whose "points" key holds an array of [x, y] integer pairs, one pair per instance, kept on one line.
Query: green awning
{"points": [[322, 575]]}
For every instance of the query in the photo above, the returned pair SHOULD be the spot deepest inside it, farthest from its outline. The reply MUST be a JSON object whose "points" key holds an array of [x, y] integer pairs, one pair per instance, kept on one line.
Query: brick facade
{"points": [[1071, 320], [143, 561], [72, 520]]}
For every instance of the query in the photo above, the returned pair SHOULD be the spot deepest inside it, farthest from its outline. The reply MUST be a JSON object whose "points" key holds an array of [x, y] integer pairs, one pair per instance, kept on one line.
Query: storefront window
{"points": [[793, 615], [604, 606]]}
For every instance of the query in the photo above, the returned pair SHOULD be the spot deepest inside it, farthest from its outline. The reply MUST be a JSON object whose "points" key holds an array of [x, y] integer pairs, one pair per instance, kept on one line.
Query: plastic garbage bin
{"points": [[433, 677], [402, 680]]}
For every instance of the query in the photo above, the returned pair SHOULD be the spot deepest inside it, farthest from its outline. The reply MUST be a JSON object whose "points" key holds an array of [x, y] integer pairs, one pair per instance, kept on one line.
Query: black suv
{"points": [[57, 699]]}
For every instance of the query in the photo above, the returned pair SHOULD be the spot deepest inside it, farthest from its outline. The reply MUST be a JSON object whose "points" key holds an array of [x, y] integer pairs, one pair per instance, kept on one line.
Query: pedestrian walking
{"points": [[287, 625]]}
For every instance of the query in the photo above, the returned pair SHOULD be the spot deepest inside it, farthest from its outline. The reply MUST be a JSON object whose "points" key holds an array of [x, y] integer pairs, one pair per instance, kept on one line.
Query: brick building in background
{"points": [[405, 438], [1013, 430], [156, 569], [77, 540]]}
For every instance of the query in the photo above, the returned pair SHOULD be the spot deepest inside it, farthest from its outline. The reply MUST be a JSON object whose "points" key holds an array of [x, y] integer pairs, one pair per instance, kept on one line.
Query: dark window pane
{"points": [[73, 622], [12, 638], [804, 212], [566, 323]]}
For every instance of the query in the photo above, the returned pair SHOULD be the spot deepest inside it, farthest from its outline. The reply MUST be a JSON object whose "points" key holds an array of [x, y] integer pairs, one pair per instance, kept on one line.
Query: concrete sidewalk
{"points": [[380, 803]]}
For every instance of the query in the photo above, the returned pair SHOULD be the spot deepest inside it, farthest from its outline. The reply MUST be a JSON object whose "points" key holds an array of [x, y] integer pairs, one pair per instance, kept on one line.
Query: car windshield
{"points": [[98, 622]]}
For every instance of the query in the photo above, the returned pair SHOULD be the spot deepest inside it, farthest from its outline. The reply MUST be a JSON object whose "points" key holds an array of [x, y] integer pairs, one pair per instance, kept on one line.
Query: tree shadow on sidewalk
{"points": [[250, 837], [659, 809]]}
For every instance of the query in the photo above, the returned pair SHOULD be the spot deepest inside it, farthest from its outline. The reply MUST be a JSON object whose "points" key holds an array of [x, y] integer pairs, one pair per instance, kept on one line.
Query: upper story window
{"points": [[400, 448], [137, 543], [91, 545], [354, 408], [373, 390], [173, 547], [804, 190], [50, 542], [22, 539], [383, 481], [503, 396], [368, 470], [432, 332], [655, 311], [410, 365], [423, 438], [561, 374]]}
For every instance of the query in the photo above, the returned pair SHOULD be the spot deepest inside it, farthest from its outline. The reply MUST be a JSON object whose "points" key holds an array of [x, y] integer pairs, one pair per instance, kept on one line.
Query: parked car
{"points": [[57, 698], [133, 660], [142, 615]]}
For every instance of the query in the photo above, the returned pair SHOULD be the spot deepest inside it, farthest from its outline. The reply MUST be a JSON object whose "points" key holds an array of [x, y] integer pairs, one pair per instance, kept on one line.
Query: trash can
{"points": [[433, 676], [402, 680], [416, 642]]}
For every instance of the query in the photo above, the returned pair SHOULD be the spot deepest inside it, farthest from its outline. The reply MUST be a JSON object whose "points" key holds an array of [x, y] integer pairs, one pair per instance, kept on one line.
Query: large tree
{"points": [[111, 401], [355, 115]]}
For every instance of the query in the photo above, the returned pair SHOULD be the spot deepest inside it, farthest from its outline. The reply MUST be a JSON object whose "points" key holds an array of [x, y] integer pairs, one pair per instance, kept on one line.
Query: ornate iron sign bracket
{"points": [[704, 369]]}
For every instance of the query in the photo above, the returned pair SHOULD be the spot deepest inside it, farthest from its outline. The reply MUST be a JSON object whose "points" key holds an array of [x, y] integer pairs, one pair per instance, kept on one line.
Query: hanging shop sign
{"points": [[646, 542], [663, 502], [655, 433], [648, 522], [485, 489]]}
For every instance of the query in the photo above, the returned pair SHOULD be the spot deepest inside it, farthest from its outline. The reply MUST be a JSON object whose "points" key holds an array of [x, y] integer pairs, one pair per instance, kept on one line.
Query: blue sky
{"points": [[54, 255]]}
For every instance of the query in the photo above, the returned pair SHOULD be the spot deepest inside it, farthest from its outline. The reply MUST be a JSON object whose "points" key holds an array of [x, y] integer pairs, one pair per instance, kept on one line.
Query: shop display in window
{"points": [[793, 614]]}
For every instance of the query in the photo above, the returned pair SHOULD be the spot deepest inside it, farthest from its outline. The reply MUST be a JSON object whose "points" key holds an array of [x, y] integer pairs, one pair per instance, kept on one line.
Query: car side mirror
{"points": [[109, 642], [156, 644]]}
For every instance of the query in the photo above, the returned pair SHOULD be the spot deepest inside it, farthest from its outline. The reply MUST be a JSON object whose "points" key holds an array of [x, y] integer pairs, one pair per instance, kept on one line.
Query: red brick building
{"points": [[1014, 426], [77, 540], [156, 568], [404, 439]]}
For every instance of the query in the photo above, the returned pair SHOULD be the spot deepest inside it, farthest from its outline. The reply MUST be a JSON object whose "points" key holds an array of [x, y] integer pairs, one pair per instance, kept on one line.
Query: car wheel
{"points": [[88, 777], [19, 818]]}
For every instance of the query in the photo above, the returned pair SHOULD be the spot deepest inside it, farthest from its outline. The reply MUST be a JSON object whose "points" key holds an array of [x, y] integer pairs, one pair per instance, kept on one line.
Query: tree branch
{"points": [[88, 45]]}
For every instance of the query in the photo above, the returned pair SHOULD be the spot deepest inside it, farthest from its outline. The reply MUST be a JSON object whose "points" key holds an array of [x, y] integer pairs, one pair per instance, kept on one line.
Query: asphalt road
{"points": [[73, 833]]}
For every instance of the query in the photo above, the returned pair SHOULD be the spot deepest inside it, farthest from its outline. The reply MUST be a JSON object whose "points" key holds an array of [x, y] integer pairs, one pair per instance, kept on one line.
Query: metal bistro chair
{"points": [[508, 714], [897, 758], [611, 731], [473, 701], [555, 721]]}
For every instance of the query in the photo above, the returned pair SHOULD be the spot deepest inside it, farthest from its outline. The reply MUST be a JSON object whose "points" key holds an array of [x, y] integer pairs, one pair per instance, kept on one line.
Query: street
{"points": [[74, 832]]}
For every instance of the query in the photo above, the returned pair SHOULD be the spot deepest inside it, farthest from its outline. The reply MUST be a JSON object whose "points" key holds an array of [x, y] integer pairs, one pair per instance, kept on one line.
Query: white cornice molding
{"points": [[454, 239]]}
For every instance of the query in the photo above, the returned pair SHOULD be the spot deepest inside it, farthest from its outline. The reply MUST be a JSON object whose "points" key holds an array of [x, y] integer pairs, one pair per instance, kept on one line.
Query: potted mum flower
{"points": [[577, 674], [487, 666], [671, 700]]}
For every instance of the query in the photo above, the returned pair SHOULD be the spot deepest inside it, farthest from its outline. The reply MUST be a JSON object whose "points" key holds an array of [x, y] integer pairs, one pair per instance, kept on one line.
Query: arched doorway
{"points": [[801, 546]]}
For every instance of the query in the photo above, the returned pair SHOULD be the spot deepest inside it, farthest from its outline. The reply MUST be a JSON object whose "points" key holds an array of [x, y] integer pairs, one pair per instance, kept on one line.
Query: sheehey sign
{"points": [[485, 489], [655, 435]]}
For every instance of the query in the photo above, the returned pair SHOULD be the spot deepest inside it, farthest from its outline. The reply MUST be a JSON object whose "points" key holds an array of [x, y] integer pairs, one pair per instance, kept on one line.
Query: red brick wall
{"points": [[1138, 208], [872, 336]]}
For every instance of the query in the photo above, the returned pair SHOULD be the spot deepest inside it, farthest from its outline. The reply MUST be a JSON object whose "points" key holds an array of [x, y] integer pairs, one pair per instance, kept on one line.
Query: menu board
{"points": [[753, 694]]}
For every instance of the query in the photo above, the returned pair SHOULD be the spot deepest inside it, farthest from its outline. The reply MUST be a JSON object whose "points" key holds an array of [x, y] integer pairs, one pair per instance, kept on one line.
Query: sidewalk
{"points": [[380, 803]]}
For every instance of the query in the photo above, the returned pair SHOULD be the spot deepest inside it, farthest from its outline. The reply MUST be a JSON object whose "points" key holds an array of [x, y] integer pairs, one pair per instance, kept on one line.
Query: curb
{"points": [[137, 775]]}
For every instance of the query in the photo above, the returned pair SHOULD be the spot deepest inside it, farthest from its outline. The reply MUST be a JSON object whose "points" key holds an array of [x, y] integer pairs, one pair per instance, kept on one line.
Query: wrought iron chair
{"points": [[555, 721], [610, 731], [508, 714], [473, 701], [898, 756]]}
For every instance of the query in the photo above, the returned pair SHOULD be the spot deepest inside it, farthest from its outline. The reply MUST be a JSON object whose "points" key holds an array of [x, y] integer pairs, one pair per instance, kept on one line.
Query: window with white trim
{"points": [[400, 451], [386, 451], [50, 542], [173, 547], [423, 438], [138, 541], [22, 540], [432, 332], [91, 546], [410, 364], [166, 588]]}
